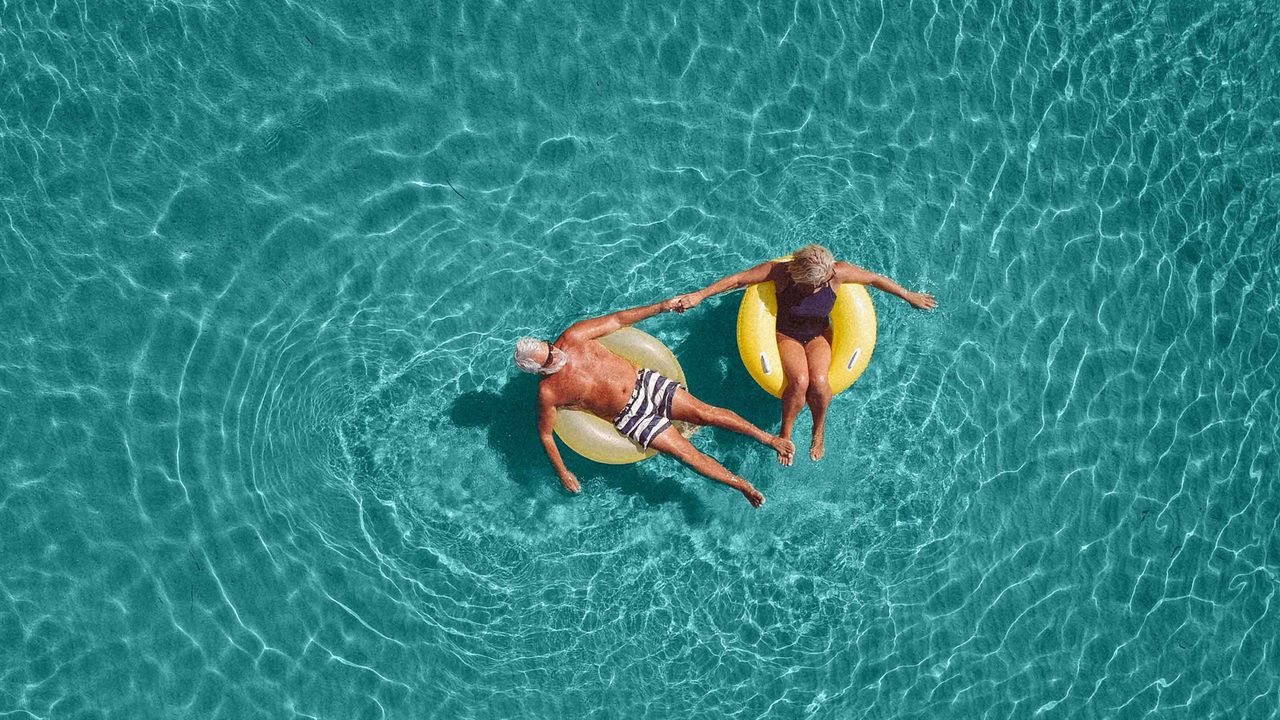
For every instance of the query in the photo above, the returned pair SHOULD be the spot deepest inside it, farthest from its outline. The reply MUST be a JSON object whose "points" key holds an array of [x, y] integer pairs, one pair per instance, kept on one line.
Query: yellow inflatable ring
{"points": [[853, 336], [596, 438]]}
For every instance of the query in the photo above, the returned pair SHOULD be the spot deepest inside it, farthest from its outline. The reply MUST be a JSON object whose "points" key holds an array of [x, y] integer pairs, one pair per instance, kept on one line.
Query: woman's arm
{"points": [[750, 276], [847, 272]]}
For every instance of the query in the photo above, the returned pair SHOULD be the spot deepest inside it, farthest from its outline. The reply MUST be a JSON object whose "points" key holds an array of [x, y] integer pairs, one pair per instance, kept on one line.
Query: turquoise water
{"points": [[263, 452]]}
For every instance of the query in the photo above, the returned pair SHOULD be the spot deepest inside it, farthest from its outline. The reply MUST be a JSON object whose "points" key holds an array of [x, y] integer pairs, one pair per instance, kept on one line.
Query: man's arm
{"points": [[750, 276], [546, 423], [849, 273], [593, 328]]}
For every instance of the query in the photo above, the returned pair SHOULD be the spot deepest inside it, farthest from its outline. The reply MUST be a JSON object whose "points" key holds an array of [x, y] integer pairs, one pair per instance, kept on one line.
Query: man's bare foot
{"points": [[754, 496], [818, 448], [786, 449]]}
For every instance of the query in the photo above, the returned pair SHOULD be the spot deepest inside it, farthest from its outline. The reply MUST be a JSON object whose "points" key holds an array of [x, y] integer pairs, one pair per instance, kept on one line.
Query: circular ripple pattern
{"points": [[266, 456]]}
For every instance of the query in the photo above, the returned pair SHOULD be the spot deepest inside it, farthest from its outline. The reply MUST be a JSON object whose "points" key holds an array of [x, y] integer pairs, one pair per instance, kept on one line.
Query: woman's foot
{"points": [[785, 448], [819, 446]]}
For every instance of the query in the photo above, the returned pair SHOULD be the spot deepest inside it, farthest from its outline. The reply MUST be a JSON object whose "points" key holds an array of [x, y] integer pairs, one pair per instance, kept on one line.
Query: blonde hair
{"points": [[811, 265]]}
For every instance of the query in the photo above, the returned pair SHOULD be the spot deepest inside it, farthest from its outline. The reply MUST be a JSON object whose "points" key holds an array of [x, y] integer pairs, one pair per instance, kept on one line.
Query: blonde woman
{"points": [[806, 289]]}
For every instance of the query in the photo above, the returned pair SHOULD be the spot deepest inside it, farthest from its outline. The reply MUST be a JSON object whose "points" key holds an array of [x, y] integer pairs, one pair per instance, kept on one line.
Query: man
{"points": [[581, 374]]}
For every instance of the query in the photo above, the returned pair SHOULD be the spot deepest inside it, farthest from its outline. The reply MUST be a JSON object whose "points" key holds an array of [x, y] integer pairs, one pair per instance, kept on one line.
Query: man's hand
{"points": [[671, 306], [684, 302], [922, 301], [570, 482]]}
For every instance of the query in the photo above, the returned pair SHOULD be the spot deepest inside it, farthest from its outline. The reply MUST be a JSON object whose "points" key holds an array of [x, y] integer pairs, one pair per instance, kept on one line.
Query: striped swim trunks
{"points": [[648, 413]]}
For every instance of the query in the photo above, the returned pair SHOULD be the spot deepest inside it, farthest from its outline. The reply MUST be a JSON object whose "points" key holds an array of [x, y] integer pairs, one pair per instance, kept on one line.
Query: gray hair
{"points": [[811, 265], [528, 348]]}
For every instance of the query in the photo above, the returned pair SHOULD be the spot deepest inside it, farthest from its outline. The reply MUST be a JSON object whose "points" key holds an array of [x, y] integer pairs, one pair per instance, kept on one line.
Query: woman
{"points": [[806, 290]]}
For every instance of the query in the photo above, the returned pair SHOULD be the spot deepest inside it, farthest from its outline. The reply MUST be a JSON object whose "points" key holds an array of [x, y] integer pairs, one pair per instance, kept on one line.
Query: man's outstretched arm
{"points": [[593, 328], [546, 423]]}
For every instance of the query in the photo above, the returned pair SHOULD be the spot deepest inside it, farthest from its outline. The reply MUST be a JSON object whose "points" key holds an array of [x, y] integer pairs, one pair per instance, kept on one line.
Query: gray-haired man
{"points": [[580, 373]]}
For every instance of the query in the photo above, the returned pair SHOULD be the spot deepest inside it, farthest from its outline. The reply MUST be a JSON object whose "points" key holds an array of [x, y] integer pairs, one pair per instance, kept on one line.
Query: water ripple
{"points": [[261, 269]]}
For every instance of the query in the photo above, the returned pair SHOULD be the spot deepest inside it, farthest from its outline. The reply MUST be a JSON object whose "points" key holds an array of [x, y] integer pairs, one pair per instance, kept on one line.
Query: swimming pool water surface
{"points": [[264, 453]]}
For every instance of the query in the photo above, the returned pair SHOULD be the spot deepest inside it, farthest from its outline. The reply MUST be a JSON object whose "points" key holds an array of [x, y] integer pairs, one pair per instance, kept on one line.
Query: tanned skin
{"points": [[805, 366], [597, 381]]}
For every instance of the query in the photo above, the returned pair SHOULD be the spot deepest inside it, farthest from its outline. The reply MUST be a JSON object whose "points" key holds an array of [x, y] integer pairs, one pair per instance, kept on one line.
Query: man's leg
{"points": [[687, 408], [671, 442]]}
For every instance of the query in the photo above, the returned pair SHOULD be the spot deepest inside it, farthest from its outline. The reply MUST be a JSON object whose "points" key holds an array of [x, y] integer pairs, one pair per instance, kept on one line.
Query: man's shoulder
{"points": [[547, 391], [571, 338]]}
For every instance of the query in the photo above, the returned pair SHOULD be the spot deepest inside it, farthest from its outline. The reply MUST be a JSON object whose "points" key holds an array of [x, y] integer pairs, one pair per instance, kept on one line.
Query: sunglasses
{"points": [[550, 355]]}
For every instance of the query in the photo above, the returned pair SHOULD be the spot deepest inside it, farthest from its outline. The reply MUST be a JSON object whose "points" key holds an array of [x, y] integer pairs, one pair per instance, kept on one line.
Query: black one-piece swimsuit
{"points": [[804, 316]]}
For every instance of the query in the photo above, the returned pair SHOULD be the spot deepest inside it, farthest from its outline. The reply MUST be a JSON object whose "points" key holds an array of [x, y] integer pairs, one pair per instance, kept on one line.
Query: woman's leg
{"points": [[818, 352], [795, 368]]}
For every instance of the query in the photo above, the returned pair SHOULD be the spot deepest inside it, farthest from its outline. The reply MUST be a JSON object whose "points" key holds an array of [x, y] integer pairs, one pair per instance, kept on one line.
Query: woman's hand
{"points": [[922, 301], [570, 482], [686, 301]]}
